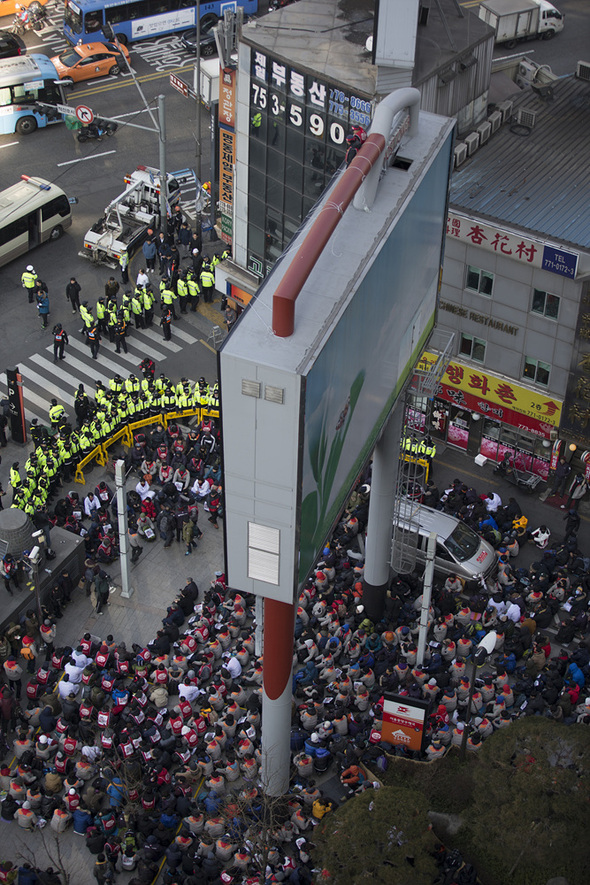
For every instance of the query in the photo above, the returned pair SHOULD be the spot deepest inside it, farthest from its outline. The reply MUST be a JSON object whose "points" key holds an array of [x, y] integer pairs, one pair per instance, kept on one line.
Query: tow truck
{"points": [[127, 219]]}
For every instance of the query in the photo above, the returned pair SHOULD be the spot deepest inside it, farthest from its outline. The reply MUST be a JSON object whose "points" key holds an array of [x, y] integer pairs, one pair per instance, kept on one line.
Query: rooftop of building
{"points": [[450, 30], [328, 37], [536, 179], [325, 38]]}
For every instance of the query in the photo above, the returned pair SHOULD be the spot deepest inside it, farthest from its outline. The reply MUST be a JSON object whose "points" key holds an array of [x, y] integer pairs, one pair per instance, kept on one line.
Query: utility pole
{"points": [[163, 181], [126, 589], [198, 122]]}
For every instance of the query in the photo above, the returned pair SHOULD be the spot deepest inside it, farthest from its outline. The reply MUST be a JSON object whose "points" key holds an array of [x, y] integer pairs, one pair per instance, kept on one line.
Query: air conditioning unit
{"points": [[485, 130], [526, 73], [505, 109], [526, 117], [472, 142], [583, 70], [495, 120], [460, 154]]}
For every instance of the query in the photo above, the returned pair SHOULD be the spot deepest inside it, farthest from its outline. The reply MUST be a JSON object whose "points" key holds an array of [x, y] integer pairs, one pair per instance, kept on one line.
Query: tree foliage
{"points": [[380, 836]]}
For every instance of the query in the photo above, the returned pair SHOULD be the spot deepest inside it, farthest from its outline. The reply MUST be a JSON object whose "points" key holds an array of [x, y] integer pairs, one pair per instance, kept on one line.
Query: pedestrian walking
{"points": [[111, 288], [93, 336], [102, 590], [572, 524], [212, 505], [28, 282], [60, 339], [150, 252], [73, 290], [10, 572], [124, 265], [121, 333], [560, 477], [207, 282], [166, 323], [43, 306]]}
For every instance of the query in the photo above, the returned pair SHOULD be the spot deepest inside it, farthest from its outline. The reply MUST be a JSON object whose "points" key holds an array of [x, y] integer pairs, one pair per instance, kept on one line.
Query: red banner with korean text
{"points": [[498, 398]]}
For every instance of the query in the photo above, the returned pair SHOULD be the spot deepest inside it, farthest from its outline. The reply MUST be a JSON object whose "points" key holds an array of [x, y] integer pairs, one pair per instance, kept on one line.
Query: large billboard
{"points": [[301, 414], [357, 376]]}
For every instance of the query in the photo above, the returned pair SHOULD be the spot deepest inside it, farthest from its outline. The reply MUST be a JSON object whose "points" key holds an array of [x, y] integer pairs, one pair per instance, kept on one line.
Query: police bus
{"points": [[31, 212], [25, 80], [132, 20]]}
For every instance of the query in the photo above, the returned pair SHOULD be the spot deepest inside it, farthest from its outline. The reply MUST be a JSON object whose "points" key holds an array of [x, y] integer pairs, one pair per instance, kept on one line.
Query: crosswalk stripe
{"points": [[184, 336], [170, 345], [155, 354], [45, 384], [93, 372], [101, 362], [53, 371]]}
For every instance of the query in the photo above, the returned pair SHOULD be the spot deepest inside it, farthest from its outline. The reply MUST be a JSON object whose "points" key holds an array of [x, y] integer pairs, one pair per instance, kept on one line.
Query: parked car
{"points": [[89, 60], [9, 7], [11, 45], [459, 550], [208, 45]]}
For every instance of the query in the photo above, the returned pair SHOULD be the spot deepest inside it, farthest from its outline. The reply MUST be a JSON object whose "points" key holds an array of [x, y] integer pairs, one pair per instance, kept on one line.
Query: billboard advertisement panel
{"points": [[365, 359], [403, 721]]}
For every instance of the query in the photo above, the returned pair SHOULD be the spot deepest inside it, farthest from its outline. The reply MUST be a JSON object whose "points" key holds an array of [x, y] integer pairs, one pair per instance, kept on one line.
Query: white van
{"points": [[459, 550], [31, 212]]}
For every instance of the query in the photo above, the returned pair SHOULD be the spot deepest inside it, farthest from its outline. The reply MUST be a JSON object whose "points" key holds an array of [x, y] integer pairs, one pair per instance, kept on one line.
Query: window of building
{"points": [[545, 303], [473, 348], [481, 281], [537, 371]]}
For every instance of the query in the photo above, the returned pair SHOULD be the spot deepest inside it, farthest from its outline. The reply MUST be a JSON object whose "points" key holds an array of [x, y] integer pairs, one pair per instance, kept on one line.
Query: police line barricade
{"points": [[170, 417], [101, 458], [126, 433], [114, 438]]}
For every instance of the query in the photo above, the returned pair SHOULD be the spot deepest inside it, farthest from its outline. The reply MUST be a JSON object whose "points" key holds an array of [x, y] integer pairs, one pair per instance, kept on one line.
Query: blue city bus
{"points": [[133, 20], [24, 80]]}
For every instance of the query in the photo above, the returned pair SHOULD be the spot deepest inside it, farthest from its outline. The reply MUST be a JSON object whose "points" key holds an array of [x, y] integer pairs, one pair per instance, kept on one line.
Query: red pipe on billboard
{"points": [[283, 305]]}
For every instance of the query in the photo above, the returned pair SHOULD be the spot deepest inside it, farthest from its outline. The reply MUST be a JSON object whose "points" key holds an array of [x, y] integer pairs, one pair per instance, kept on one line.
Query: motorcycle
{"points": [[97, 129], [29, 18]]}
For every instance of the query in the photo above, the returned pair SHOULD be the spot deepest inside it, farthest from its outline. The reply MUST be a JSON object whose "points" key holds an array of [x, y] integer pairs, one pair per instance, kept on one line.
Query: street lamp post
{"points": [[479, 656]]}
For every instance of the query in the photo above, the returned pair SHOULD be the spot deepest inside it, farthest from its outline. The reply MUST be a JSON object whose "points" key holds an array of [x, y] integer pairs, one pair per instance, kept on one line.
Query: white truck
{"points": [[515, 20], [127, 219]]}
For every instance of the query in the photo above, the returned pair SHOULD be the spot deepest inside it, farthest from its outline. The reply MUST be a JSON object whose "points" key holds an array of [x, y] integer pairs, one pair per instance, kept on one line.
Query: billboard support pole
{"points": [[279, 629], [426, 596], [379, 524]]}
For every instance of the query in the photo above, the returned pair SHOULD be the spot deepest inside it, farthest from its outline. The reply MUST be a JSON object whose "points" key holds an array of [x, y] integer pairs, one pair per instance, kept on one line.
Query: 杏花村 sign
{"points": [[512, 245]]}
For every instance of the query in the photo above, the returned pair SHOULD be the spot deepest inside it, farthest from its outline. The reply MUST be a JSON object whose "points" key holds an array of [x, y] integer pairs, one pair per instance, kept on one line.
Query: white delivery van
{"points": [[459, 550]]}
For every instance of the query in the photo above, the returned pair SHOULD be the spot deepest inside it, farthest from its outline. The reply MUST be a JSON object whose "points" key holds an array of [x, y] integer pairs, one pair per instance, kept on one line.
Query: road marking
{"points": [[83, 159], [208, 346], [147, 78], [10, 144], [190, 339], [169, 345], [42, 381]]}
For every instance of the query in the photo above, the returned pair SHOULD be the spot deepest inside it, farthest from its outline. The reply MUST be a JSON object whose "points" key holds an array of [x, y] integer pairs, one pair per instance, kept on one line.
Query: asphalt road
{"points": [[93, 173], [567, 48]]}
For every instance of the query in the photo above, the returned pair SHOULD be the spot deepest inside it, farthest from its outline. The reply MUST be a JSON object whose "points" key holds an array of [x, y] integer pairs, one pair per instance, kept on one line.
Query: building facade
{"points": [[304, 78], [515, 286]]}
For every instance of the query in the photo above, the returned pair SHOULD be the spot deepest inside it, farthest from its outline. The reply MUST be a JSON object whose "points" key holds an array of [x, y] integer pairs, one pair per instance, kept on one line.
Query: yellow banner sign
{"points": [[497, 390]]}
